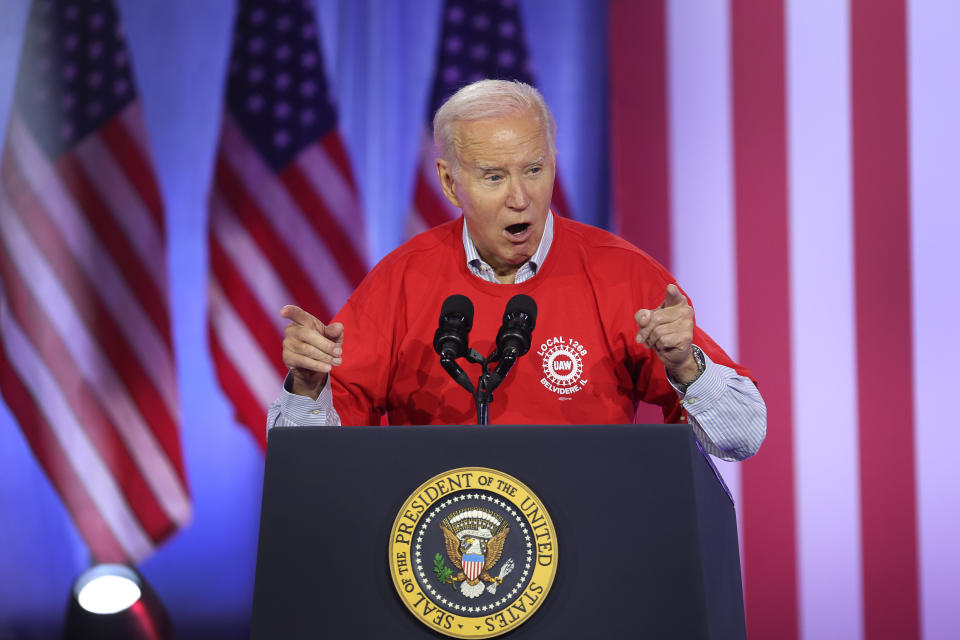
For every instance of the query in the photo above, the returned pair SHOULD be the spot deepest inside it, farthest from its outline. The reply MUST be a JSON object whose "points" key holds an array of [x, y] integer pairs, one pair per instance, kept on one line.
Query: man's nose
{"points": [[517, 197]]}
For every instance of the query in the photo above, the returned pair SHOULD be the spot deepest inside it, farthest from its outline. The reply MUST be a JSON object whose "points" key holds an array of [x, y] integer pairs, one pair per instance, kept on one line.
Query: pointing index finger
{"points": [[299, 316], [673, 297]]}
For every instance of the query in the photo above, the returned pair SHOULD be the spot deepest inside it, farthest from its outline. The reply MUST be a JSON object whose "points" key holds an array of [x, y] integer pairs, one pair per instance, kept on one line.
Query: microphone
{"points": [[456, 321], [513, 339], [519, 319], [450, 339]]}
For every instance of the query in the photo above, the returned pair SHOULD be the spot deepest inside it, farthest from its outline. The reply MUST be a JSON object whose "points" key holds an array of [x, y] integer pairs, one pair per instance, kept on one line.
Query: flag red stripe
{"points": [[558, 199], [247, 409], [113, 240], [90, 415], [759, 118], [275, 250], [639, 129], [333, 145], [327, 226], [134, 166], [429, 206], [86, 516], [246, 305], [881, 194], [95, 316]]}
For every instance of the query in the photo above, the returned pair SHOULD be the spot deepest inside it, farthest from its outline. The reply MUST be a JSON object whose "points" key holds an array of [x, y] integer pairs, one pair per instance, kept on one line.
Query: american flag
{"points": [[784, 159], [285, 223], [87, 362], [478, 40]]}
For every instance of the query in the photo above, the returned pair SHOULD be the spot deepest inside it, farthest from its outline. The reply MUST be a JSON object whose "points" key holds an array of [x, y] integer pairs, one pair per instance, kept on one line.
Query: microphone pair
{"points": [[451, 341], [513, 339]]}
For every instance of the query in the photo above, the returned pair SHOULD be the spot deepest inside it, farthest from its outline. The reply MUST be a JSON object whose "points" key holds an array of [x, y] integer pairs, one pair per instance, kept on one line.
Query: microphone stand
{"points": [[488, 381]]}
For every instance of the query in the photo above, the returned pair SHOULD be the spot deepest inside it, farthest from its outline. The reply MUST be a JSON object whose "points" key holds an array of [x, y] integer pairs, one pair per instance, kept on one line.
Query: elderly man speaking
{"points": [[613, 328]]}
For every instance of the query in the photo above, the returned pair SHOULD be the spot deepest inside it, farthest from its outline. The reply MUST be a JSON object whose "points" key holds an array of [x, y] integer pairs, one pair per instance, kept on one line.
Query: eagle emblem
{"points": [[474, 541]]}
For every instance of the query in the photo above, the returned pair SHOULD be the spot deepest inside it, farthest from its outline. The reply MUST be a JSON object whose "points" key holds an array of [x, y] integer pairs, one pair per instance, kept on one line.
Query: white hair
{"points": [[489, 99]]}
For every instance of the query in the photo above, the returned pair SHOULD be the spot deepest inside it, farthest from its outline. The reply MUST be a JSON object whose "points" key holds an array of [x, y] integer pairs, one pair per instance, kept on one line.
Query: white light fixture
{"points": [[115, 601], [107, 589]]}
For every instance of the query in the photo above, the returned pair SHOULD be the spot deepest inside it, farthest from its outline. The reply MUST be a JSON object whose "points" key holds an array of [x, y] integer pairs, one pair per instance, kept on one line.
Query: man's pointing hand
{"points": [[310, 350], [668, 330]]}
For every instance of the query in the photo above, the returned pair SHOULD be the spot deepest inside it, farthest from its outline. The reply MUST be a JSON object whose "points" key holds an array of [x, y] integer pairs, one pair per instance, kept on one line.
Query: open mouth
{"points": [[518, 229]]}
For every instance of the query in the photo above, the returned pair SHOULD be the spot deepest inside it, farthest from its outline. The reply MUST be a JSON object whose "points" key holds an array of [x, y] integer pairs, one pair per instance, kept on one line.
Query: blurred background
{"points": [[794, 163]]}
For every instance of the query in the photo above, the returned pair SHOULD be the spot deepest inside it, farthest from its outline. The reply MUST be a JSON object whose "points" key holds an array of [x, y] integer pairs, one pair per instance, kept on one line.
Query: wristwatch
{"points": [[701, 365]]}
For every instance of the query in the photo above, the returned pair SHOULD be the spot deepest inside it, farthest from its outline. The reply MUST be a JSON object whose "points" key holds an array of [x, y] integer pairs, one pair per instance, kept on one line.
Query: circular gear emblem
{"points": [[472, 553], [562, 365]]}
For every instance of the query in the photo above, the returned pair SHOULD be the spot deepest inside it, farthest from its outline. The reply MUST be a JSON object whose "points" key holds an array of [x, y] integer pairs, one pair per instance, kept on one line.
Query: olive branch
{"points": [[442, 571]]}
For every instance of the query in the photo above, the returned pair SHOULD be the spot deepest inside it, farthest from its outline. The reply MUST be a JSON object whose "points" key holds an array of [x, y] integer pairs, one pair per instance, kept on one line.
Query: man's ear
{"points": [[445, 173]]}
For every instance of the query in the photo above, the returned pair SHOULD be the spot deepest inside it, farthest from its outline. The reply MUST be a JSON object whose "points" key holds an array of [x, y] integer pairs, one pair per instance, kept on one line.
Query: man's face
{"points": [[504, 186]]}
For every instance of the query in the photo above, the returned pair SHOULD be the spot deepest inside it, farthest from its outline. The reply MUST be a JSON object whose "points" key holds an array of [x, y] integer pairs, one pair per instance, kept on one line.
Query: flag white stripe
{"points": [[90, 361], [701, 174], [822, 318], [97, 481], [125, 206], [701, 170], [257, 370], [248, 261], [288, 221], [89, 253], [330, 185], [934, 105]]}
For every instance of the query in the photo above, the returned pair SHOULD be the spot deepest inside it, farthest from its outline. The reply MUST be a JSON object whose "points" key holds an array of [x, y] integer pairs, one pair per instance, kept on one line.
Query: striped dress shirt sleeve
{"points": [[726, 411], [291, 410]]}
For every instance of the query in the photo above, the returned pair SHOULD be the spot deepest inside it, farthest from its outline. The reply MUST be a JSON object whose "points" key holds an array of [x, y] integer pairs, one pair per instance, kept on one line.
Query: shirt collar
{"points": [[483, 270]]}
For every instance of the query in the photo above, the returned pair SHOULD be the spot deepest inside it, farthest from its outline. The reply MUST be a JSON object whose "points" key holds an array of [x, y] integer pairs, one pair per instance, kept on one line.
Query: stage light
{"points": [[114, 601], [107, 588]]}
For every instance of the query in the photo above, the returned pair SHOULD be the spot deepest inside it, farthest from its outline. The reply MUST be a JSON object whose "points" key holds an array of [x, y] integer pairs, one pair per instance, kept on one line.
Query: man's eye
{"points": [[494, 178], [536, 170]]}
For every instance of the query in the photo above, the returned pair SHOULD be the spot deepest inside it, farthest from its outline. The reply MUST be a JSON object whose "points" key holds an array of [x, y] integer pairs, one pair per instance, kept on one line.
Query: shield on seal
{"points": [[472, 565]]}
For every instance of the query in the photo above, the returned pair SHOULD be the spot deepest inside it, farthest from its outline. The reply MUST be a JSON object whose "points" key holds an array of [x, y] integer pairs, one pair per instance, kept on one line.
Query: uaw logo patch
{"points": [[473, 553], [563, 360]]}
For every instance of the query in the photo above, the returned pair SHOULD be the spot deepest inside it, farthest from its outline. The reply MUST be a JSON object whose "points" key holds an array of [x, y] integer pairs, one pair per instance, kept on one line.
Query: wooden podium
{"points": [[646, 532]]}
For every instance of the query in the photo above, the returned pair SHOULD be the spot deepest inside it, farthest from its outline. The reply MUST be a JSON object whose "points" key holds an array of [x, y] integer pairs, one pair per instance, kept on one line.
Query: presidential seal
{"points": [[472, 553]]}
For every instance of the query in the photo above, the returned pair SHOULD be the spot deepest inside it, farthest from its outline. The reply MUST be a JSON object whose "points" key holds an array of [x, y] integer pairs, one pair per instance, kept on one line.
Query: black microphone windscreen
{"points": [[460, 305], [522, 304]]}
